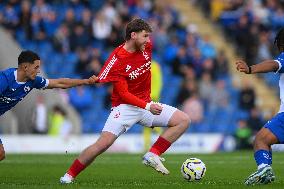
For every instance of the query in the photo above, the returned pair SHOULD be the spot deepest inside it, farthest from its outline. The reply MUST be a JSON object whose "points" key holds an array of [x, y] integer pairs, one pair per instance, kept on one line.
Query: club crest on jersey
{"points": [[127, 68], [27, 89], [116, 115]]}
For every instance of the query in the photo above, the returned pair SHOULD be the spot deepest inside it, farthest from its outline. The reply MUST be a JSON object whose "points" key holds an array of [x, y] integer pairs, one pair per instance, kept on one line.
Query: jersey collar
{"points": [[15, 74]]}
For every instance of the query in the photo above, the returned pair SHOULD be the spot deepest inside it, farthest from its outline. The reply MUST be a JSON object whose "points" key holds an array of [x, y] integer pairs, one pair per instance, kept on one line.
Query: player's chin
{"points": [[142, 48]]}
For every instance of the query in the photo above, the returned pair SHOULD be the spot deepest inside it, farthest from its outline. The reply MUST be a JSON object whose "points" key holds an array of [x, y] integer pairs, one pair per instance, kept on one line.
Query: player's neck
{"points": [[129, 46], [21, 76]]}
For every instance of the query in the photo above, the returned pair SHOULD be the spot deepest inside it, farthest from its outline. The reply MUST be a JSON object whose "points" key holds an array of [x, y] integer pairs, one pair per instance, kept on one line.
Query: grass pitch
{"points": [[125, 171]]}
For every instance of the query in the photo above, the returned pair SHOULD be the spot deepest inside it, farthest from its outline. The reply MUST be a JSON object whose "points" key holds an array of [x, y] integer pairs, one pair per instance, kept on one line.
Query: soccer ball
{"points": [[193, 169]]}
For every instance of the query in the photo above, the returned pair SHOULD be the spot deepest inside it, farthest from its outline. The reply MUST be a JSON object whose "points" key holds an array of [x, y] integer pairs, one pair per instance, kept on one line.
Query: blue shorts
{"points": [[276, 126], [0, 141]]}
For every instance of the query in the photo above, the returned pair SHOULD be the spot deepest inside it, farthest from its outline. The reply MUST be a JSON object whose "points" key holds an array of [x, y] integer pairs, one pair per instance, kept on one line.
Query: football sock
{"points": [[76, 168], [263, 158], [160, 146]]}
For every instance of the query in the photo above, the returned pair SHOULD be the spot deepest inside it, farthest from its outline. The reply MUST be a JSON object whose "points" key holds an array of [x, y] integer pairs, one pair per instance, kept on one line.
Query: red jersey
{"points": [[130, 74]]}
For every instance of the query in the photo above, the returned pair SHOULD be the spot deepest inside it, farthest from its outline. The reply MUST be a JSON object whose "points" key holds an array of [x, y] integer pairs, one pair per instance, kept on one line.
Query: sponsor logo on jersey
{"points": [[127, 68], [139, 71], [27, 89], [6, 100]]}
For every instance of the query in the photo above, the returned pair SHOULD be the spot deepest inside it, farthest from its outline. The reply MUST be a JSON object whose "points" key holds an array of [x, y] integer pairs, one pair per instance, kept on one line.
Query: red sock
{"points": [[160, 146], [76, 168]]}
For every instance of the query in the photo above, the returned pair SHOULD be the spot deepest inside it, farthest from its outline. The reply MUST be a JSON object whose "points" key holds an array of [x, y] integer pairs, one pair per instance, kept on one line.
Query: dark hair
{"points": [[279, 39], [27, 57], [136, 25]]}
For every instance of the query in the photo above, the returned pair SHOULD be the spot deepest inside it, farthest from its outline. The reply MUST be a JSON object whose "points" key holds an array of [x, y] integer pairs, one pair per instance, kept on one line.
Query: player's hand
{"points": [[156, 109], [242, 66], [92, 80]]}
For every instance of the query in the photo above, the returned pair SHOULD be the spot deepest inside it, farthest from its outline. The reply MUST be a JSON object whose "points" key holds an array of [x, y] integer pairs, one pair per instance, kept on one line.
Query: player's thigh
{"points": [[266, 136], [122, 118], [179, 117], [273, 130], [165, 118]]}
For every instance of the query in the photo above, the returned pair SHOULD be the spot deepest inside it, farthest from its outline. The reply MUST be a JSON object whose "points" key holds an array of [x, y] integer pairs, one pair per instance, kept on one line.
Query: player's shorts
{"points": [[276, 126], [124, 116], [0, 141]]}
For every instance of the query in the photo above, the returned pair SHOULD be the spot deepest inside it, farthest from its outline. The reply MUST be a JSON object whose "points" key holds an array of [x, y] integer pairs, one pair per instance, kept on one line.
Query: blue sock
{"points": [[263, 157]]}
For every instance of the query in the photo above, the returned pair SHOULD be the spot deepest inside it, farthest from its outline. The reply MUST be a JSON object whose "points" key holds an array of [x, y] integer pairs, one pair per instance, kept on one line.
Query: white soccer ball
{"points": [[193, 169]]}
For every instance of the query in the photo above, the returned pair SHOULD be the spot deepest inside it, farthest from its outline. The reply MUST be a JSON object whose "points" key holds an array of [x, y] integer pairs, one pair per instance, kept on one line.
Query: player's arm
{"points": [[65, 83], [121, 88], [263, 67]]}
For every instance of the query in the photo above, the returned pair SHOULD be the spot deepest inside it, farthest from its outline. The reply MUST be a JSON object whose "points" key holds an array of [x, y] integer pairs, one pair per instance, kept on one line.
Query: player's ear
{"points": [[133, 35]]}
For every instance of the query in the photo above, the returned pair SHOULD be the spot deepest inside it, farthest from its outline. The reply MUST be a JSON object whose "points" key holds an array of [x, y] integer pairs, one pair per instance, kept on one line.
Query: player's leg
{"points": [[119, 121], [263, 157], [2, 151], [105, 140], [177, 123], [272, 133]]}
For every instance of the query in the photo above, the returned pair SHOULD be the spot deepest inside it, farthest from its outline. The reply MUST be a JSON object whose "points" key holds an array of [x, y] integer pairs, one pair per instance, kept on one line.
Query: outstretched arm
{"points": [[65, 83], [263, 67]]}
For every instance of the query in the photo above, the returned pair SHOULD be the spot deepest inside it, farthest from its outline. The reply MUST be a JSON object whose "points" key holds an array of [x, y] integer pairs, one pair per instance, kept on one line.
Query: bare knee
{"points": [[264, 139], [184, 120]]}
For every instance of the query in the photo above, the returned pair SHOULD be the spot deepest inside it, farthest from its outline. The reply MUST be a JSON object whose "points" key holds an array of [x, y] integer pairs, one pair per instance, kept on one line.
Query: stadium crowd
{"points": [[74, 39]]}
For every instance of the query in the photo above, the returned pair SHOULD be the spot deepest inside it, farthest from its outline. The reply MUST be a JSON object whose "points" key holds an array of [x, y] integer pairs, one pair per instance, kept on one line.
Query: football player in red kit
{"points": [[128, 69]]}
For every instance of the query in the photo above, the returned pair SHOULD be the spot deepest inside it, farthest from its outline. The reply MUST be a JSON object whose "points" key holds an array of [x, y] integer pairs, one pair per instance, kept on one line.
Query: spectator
{"points": [[255, 121], [193, 107], [247, 97], [243, 135], [40, 116], [221, 68], [59, 124], [25, 19]]}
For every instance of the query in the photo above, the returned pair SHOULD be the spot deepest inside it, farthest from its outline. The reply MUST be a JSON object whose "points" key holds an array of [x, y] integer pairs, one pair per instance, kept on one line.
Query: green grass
{"points": [[224, 170]]}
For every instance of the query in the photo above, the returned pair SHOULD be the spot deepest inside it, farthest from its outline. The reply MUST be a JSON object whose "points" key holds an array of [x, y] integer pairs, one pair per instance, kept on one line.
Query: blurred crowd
{"points": [[251, 25], [74, 38]]}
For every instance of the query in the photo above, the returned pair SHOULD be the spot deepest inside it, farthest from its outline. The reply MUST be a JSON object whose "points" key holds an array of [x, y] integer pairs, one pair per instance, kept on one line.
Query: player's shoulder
{"points": [[281, 55], [121, 53], [8, 72]]}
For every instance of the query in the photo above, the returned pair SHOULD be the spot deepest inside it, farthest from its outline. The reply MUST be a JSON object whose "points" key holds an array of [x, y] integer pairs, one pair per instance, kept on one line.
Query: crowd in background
{"points": [[74, 38], [252, 26]]}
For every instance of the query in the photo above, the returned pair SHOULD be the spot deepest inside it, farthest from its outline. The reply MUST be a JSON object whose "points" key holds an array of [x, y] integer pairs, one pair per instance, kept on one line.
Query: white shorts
{"points": [[124, 116]]}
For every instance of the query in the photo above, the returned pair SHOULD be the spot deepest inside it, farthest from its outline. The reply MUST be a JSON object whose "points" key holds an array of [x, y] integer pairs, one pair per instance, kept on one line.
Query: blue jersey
{"points": [[280, 61], [12, 91]]}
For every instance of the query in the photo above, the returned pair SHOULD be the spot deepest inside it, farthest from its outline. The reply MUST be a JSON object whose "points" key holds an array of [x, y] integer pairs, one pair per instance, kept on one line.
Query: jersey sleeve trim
{"points": [[280, 66], [46, 84]]}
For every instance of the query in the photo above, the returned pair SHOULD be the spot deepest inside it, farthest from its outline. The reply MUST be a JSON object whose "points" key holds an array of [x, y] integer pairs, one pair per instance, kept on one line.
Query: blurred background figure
{"points": [[59, 125], [40, 116], [243, 135]]}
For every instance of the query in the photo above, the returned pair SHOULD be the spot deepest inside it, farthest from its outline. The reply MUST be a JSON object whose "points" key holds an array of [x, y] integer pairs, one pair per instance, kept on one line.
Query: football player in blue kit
{"points": [[16, 83], [273, 130]]}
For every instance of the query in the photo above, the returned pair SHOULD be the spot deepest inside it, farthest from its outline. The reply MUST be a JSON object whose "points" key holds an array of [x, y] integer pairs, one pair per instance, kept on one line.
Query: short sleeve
{"points": [[40, 82], [3, 83], [280, 61]]}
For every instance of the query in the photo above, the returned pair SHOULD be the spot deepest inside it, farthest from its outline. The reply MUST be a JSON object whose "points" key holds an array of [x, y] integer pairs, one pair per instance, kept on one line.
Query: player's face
{"points": [[32, 69], [141, 39]]}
